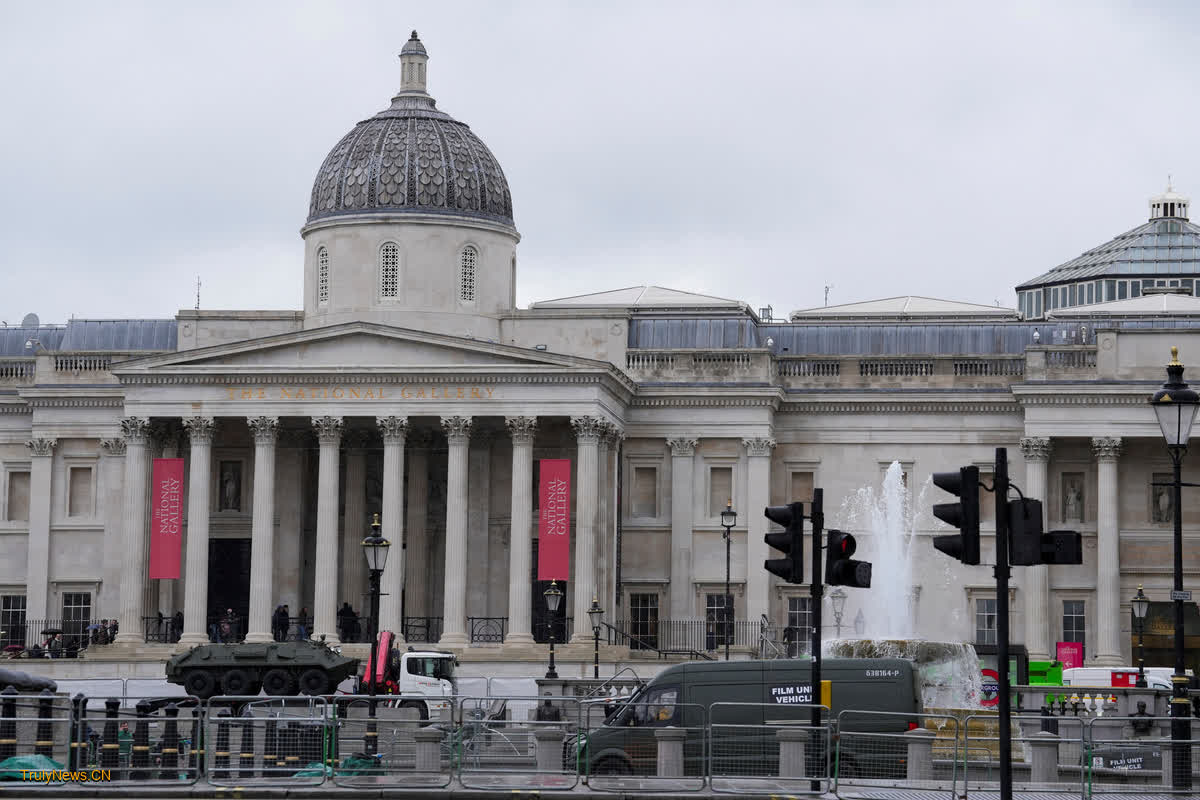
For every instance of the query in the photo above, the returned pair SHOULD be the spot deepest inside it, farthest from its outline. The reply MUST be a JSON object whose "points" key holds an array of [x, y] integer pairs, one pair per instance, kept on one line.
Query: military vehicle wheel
{"points": [[237, 681], [314, 681], [279, 683], [422, 709], [200, 683]]}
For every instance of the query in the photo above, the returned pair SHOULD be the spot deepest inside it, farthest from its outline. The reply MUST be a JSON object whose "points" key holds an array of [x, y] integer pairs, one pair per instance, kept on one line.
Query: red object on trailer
{"points": [[378, 660]]}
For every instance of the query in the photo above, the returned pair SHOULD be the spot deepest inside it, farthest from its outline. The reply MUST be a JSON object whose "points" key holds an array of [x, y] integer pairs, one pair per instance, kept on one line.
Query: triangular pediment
{"points": [[356, 345]]}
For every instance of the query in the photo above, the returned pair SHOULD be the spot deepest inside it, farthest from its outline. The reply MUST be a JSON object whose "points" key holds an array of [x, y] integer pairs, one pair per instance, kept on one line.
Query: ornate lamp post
{"points": [[553, 597], [838, 599], [1140, 604], [728, 520], [595, 613], [375, 548], [1175, 406]]}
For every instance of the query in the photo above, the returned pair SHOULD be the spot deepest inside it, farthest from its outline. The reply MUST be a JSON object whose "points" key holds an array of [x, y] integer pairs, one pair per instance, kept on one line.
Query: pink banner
{"points": [[554, 519], [1070, 654], [166, 517]]}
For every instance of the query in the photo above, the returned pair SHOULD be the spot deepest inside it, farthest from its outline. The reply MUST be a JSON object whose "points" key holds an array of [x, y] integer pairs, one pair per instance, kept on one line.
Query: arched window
{"points": [[389, 269], [322, 276], [466, 273]]}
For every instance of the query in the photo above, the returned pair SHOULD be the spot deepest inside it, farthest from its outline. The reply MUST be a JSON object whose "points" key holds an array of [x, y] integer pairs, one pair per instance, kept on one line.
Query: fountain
{"points": [[948, 671]]}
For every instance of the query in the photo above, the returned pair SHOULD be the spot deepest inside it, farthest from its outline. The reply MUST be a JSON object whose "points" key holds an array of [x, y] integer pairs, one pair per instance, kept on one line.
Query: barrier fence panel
{"points": [[887, 749], [258, 741], [395, 748], [497, 751], [140, 740], [1046, 752], [1134, 755], [657, 745], [36, 738], [769, 748]]}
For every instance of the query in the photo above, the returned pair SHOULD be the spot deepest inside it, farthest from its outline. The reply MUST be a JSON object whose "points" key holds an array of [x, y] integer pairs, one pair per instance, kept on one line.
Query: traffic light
{"points": [[790, 541], [840, 569], [1027, 545], [963, 515]]}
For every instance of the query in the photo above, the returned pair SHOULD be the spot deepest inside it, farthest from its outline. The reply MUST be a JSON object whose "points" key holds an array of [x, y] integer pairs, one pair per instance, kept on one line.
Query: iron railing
{"points": [[617, 636], [487, 630], [46, 638], [422, 629], [688, 635]]}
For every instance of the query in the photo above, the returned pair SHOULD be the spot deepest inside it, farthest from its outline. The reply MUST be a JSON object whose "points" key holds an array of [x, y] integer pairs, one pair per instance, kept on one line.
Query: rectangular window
{"points": [[797, 636], [1037, 311], [643, 620], [79, 492], [12, 620], [1090, 289], [1074, 625], [644, 500], [76, 616], [720, 489], [1122, 290], [18, 497], [1110, 290], [1186, 283], [1135, 288], [718, 619], [1072, 296], [985, 620]]}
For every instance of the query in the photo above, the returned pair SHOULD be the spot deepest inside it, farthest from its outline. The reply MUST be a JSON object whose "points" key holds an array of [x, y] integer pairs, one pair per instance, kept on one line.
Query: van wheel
{"points": [[422, 709], [611, 766]]}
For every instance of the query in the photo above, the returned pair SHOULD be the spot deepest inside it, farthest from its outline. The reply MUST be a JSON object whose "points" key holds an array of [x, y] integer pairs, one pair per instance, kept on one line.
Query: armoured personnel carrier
{"points": [[281, 668]]}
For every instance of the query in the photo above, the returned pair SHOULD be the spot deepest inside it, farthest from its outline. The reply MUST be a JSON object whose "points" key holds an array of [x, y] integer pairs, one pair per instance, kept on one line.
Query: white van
{"points": [[1084, 677]]}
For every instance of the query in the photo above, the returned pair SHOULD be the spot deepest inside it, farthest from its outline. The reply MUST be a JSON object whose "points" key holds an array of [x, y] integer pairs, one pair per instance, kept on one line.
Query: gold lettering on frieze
{"points": [[359, 393]]}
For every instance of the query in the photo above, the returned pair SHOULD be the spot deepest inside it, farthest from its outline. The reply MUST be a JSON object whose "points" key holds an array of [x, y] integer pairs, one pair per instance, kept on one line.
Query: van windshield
{"points": [[655, 705], [432, 667]]}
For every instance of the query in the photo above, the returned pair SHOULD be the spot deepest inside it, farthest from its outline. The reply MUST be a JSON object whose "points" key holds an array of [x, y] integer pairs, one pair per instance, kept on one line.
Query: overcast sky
{"points": [[759, 151]]}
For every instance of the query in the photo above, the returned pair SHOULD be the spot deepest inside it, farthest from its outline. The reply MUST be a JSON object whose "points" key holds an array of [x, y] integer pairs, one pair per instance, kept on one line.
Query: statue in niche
{"points": [[1072, 498], [231, 486], [1161, 506]]}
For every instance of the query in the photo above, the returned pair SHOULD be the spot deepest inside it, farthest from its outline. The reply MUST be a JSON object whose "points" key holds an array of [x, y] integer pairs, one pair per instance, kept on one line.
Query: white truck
{"points": [[1156, 677], [421, 679]]}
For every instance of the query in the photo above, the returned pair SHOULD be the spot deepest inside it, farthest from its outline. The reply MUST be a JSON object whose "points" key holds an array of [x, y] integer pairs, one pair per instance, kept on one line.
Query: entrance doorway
{"points": [[228, 586]]}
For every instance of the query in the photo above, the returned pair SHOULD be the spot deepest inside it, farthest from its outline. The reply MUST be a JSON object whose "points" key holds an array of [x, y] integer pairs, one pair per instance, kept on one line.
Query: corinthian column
{"points": [[454, 602], [520, 548], [1036, 450], [329, 437], [37, 557], [758, 495], [392, 581], [262, 529], [588, 431], [133, 576], [1108, 557], [195, 588], [683, 450]]}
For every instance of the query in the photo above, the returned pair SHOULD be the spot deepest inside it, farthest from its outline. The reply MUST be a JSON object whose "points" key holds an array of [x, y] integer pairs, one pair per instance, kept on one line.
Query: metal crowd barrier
{"points": [[497, 752], [768, 748], [1116, 765], [394, 748], [649, 747], [142, 740], [35, 733], [257, 741], [888, 749], [1028, 749]]}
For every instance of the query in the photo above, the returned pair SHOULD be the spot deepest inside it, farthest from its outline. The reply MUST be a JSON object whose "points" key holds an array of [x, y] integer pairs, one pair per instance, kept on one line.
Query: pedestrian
{"points": [[344, 614], [177, 626], [302, 624], [124, 744], [279, 624]]}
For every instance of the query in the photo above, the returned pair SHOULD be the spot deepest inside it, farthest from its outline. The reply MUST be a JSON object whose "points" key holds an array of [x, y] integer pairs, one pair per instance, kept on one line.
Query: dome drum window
{"points": [[466, 274], [322, 276], [389, 270]]}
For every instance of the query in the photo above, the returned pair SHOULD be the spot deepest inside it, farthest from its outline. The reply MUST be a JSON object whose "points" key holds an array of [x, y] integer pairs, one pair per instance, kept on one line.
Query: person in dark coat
{"points": [[177, 625]]}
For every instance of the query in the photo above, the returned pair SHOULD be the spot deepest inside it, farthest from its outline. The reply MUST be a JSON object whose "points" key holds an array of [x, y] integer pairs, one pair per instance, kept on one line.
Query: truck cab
{"points": [[423, 679]]}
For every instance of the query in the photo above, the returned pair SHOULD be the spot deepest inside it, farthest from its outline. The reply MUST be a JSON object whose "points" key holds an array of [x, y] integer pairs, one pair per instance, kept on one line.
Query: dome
{"points": [[411, 158]]}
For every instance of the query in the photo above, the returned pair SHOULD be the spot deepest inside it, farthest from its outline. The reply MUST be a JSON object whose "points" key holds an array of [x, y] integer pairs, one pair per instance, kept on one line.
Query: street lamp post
{"points": [[1175, 406], [553, 597], [838, 600], [1140, 604], [728, 520], [375, 548], [594, 614]]}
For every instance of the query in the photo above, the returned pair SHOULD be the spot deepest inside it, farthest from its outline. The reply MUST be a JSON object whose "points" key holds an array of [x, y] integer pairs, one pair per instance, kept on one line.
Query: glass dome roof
{"points": [[1158, 247]]}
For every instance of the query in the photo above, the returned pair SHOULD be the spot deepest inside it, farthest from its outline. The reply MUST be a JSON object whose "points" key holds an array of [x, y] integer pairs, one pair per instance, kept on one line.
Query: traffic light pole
{"points": [[818, 589], [1000, 487]]}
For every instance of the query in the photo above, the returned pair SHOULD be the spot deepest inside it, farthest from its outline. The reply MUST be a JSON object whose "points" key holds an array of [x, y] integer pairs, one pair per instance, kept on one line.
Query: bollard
{"points": [[429, 750], [270, 746], [73, 760], [670, 751], [221, 752], [549, 748], [246, 746], [110, 748], [1044, 767], [170, 744], [919, 766], [44, 745], [141, 743], [195, 748], [791, 751], [8, 723]]}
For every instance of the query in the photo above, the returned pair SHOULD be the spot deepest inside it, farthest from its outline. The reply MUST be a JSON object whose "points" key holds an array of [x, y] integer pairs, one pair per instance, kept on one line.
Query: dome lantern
{"points": [[1169, 204], [412, 66]]}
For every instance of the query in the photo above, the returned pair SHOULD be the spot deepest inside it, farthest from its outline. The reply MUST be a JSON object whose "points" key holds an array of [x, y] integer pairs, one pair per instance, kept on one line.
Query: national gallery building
{"points": [[411, 386]]}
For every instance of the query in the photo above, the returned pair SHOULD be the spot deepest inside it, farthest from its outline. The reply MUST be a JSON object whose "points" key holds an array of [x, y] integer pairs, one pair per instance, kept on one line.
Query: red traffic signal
{"points": [[840, 569]]}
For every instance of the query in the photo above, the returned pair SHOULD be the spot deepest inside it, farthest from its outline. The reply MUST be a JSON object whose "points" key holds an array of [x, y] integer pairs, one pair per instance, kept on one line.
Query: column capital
{"points": [[683, 445], [265, 429], [136, 430], [113, 447], [1107, 448], [588, 429], [616, 434], [1036, 448], [758, 446], [521, 429], [41, 447], [394, 429], [329, 429], [458, 429], [200, 430]]}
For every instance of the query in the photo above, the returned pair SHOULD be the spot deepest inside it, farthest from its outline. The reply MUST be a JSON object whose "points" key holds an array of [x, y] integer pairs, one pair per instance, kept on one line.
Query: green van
{"points": [[775, 692]]}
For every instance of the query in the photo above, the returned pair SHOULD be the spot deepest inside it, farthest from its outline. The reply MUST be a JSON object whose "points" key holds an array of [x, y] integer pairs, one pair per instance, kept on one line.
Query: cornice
{"points": [[705, 402], [16, 408], [913, 407], [75, 402], [1140, 399]]}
